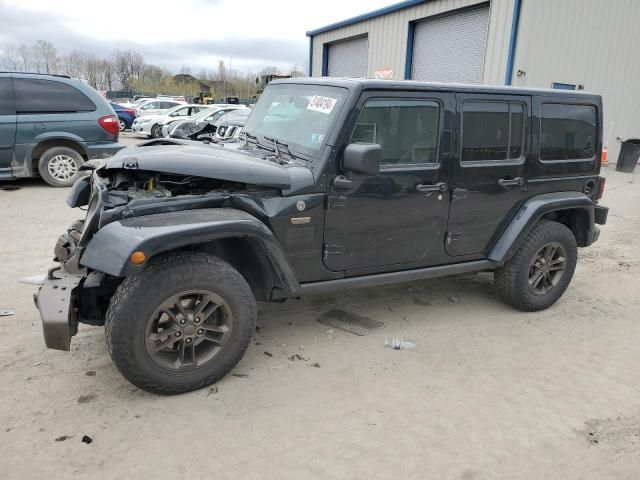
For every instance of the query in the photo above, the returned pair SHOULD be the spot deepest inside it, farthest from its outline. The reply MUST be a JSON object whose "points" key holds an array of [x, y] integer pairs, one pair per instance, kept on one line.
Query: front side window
{"points": [[492, 131], [567, 132], [299, 115], [407, 130], [49, 96]]}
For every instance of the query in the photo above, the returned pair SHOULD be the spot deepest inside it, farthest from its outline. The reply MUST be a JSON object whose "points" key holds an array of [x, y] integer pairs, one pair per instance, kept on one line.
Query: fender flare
{"points": [[53, 136], [110, 248], [530, 213]]}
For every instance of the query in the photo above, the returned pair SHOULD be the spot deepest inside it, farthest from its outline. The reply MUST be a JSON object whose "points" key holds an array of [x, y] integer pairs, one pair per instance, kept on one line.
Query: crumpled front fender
{"points": [[110, 248]]}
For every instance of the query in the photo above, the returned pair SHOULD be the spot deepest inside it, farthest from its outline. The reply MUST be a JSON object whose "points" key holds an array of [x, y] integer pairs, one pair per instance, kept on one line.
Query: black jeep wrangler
{"points": [[336, 184]]}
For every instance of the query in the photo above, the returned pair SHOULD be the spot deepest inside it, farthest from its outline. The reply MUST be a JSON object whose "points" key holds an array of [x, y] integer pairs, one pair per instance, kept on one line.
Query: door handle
{"points": [[438, 187], [511, 182]]}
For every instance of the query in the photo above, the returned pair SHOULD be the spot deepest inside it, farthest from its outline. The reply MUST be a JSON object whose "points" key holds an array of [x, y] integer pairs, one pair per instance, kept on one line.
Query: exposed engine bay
{"points": [[148, 185]]}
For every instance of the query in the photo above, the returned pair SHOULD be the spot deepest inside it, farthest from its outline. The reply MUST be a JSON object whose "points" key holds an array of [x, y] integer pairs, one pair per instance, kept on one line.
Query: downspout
{"points": [[310, 56], [515, 22], [409, 54]]}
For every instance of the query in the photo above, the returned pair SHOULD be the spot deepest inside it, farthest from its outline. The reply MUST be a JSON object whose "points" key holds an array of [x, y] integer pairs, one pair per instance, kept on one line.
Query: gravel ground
{"points": [[488, 392]]}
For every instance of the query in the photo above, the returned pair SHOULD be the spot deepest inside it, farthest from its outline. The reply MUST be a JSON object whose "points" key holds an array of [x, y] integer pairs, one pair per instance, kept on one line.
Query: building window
{"points": [[492, 131], [407, 130], [567, 132]]}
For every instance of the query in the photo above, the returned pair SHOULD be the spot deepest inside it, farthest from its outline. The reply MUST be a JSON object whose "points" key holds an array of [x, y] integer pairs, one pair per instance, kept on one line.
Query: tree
{"points": [[271, 70], [46, 57], [74, 64], [128, 66], [10, 58], [24, 54]]}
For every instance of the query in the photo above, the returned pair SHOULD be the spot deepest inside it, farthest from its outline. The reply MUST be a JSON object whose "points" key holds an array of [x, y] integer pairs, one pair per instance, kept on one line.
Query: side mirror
{"points": [[362, 158]]}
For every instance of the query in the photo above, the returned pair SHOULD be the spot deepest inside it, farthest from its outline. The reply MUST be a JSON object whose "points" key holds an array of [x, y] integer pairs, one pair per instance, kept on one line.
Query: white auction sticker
{"points": [[321, 104]]}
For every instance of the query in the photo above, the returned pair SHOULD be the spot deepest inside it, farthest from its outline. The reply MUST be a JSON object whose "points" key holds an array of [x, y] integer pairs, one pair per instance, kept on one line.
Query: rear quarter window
{"points": [[567, 132], [49, 96], [7, 104]]}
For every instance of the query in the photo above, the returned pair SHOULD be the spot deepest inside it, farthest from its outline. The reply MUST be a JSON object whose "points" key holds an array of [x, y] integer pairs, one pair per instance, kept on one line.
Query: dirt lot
{"points": [[488, 392]]}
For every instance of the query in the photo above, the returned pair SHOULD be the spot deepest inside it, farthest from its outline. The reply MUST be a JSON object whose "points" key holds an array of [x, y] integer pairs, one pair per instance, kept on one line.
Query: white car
{"points": [[151, 125], [136, 103], [157, 106], [209, 115]]}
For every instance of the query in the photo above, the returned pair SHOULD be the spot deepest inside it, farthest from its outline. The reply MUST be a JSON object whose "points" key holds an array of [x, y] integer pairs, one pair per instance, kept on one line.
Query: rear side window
{"points": [[7, 105], [48, 96], [407, 130], [492, 131], [567, 132]]}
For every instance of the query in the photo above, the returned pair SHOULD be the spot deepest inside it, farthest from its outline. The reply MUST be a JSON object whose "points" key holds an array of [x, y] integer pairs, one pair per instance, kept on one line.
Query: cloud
{"points": [[162, 46]]}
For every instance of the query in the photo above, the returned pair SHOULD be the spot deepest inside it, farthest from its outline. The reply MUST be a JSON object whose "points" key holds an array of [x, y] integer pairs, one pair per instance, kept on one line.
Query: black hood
{"points": [[212, 161]]}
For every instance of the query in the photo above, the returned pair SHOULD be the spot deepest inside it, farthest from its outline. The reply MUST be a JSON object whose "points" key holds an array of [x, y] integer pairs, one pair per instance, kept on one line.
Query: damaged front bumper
{"points": [[55, 301]]}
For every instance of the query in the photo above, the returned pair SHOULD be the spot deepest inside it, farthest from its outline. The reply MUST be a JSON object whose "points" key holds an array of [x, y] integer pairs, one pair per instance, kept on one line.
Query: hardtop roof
{"points": [[374, 84]]}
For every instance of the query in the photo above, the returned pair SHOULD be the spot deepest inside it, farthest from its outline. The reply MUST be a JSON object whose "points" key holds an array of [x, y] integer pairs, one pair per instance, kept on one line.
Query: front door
{"points": [[489, 169], [7, 125], [397, 217]]}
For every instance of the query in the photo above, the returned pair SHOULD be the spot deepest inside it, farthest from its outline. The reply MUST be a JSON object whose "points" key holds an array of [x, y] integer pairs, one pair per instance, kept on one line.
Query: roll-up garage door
{"points": [[348, 58], [451, 47]]}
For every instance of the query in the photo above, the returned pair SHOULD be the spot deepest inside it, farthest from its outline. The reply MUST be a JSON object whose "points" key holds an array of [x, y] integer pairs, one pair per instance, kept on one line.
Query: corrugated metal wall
{"points": [[589, 42], [388, 35]]}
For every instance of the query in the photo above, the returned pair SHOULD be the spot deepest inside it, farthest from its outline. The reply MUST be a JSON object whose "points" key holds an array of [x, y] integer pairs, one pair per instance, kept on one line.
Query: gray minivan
{"points": [[50, 125]]}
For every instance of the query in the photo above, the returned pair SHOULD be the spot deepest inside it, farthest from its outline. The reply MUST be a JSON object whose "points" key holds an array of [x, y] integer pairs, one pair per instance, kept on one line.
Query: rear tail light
{"points": [[130, 111], [110, 124], [601, 183]]}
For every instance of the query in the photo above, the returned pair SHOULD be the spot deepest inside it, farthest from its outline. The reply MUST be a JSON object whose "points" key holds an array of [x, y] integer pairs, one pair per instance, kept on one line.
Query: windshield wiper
{"points": [[275, 146], [279, 143], [247, 137]]}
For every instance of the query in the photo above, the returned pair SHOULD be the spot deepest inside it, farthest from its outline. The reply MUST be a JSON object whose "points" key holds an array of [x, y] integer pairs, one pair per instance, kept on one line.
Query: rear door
{"points": [[489, 172], [7, 125]]}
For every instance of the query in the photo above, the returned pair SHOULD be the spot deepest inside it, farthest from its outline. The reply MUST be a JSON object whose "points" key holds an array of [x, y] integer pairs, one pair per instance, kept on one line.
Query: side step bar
{"points": [[395, 277]]}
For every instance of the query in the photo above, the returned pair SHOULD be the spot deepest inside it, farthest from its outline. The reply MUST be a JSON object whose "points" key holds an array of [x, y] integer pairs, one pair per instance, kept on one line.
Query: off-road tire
{"points": [[137, 297], [512, 279], [52, 153]]}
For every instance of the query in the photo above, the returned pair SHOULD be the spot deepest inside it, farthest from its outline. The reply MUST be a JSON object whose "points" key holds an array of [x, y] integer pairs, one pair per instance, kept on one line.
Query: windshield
{"points": [[176, 108], [297, 114], [237, 117]]}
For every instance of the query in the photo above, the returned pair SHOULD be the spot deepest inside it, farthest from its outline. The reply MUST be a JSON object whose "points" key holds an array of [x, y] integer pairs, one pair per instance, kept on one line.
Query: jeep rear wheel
{"points": [[181, 324], [60, 166], [541, 270]]}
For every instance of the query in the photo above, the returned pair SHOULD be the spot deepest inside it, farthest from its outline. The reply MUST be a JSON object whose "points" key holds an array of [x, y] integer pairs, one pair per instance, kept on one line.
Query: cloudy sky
{"points": [[196, 33]]}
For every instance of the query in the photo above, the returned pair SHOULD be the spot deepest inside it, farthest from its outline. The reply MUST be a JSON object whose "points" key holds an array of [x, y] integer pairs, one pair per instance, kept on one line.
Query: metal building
{"points": [[573, 44]]}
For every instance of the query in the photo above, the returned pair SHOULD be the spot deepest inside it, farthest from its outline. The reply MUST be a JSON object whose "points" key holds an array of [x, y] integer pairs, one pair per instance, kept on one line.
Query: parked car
{"points": [[50, 125], [229, 126], [151, 125], [357, 183], [126, 116], [137, 101], [157, 106], [203, 123]]}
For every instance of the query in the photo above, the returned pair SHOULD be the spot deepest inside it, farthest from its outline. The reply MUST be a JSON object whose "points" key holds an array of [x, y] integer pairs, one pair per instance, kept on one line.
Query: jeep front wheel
{"points": [[181, 324], [541, 270]]}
